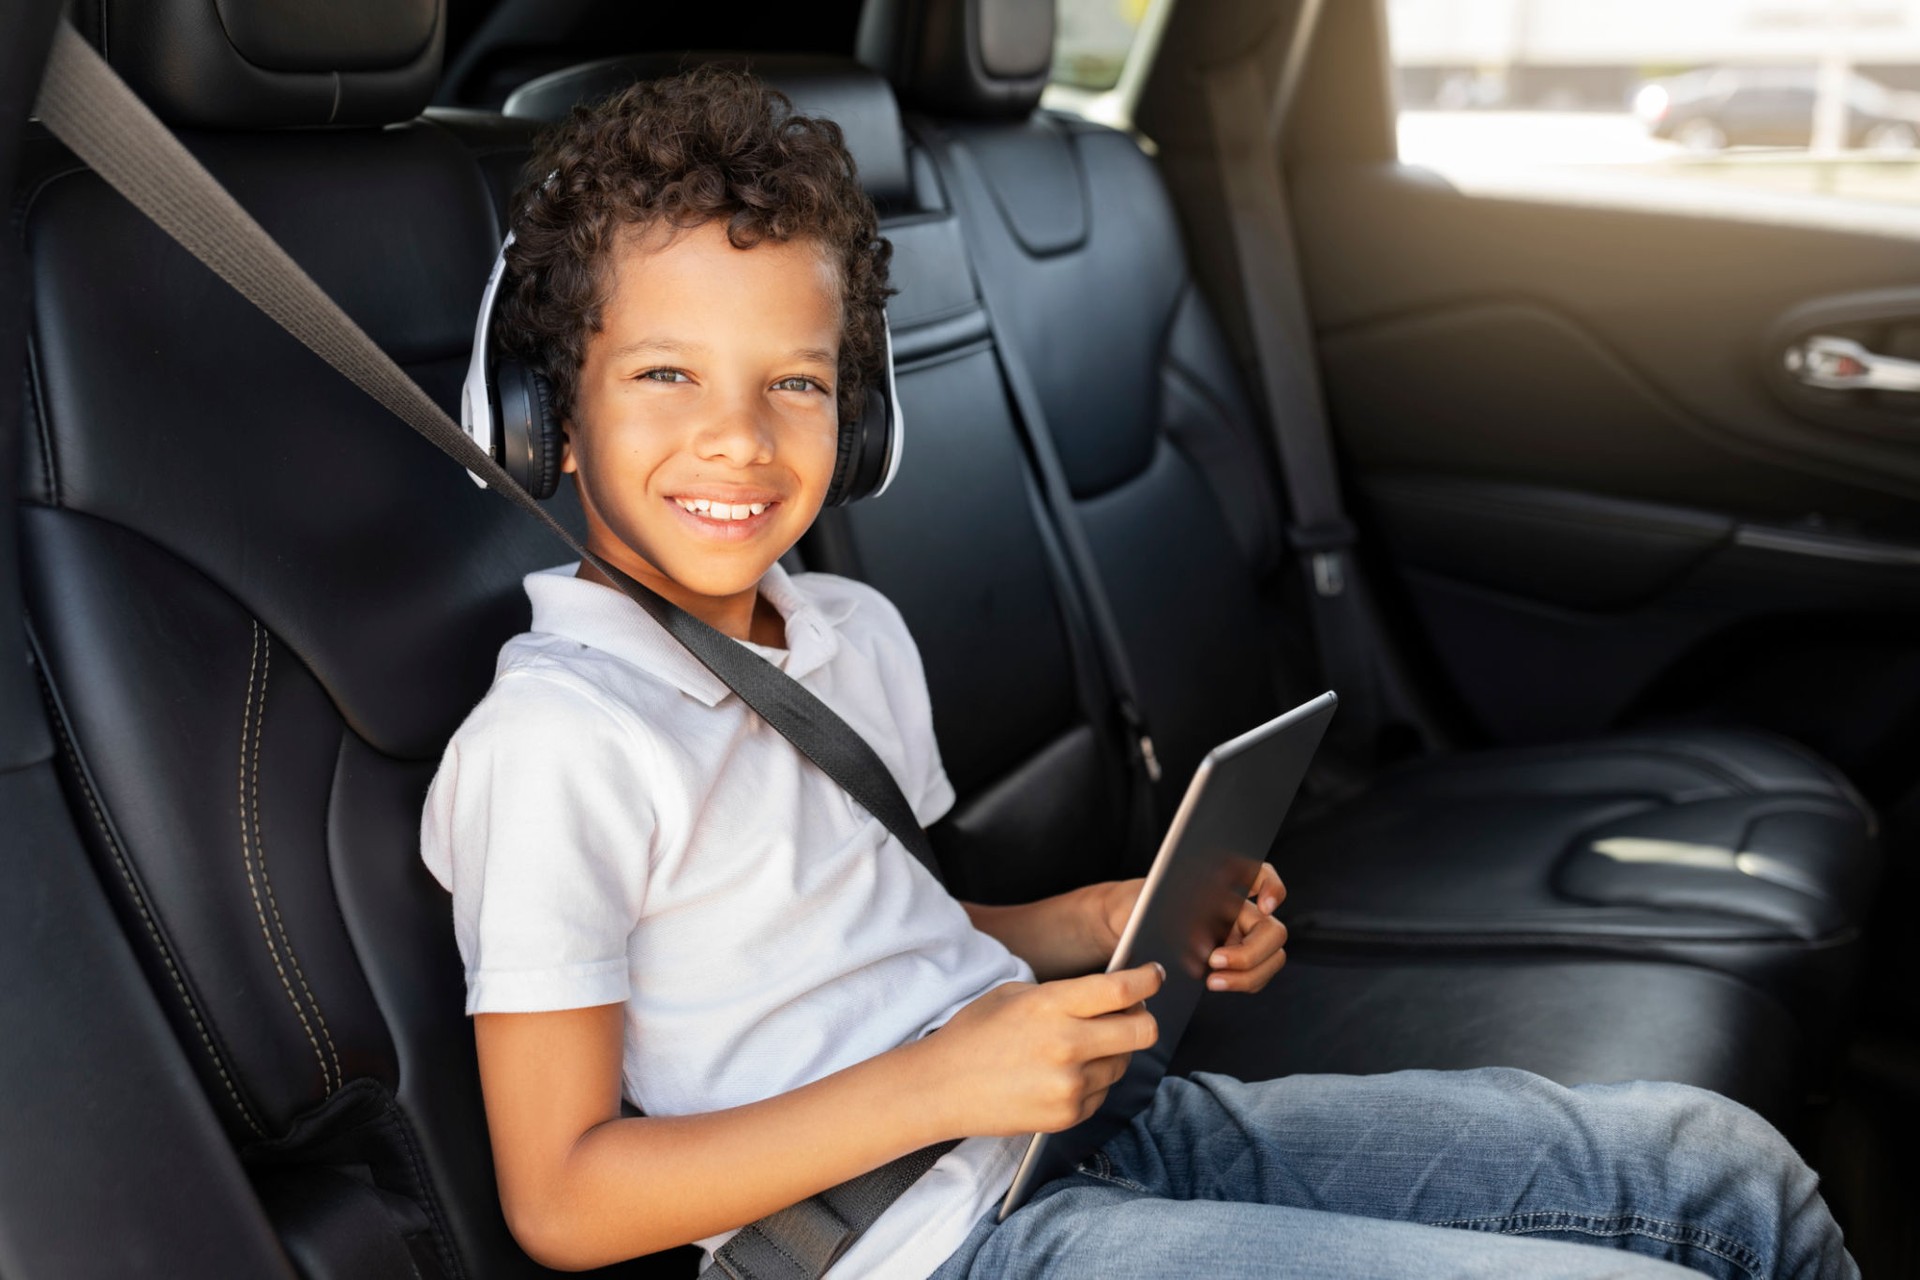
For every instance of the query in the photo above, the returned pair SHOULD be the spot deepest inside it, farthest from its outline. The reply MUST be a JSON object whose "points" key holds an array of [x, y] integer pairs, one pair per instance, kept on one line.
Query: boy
{"points": [[658, 898]]}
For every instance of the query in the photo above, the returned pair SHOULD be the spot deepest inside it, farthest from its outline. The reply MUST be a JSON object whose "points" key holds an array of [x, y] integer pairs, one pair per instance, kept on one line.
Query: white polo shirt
{"points": [[616, 826]]}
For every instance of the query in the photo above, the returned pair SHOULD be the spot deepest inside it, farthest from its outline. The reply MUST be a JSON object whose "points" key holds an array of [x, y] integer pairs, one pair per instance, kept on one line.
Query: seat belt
{"points": [[85, 104], [1030, 415], [1282, 339]]}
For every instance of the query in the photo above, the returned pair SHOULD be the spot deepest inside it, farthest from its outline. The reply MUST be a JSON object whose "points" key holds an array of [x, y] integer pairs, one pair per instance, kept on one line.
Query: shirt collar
{"points": [[605, 619]]}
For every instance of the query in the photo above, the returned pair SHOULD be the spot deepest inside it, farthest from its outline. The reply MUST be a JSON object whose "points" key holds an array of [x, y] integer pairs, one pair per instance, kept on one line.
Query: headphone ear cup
{"points": [[529, 435], [845, 462], [548, 439], [862, 460]]}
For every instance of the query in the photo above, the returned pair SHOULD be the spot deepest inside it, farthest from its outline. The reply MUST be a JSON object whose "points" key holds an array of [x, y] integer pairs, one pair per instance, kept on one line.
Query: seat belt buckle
{"points": [[1324, 547], [1150, 758], [1142, 739], [1329, 579]]}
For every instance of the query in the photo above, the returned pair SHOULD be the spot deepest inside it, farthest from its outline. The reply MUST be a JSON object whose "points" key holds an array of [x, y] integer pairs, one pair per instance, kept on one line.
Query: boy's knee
{"points": [[1689, 1126], [1689, 1110]]}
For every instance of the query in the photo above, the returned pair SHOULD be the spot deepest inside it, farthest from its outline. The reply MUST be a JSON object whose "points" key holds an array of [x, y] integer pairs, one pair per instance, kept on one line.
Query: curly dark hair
{"points": [[710, 143]]}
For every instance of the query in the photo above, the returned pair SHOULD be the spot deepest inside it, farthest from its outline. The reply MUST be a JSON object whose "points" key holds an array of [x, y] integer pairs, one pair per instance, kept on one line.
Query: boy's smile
{"points": [[704, 429]]}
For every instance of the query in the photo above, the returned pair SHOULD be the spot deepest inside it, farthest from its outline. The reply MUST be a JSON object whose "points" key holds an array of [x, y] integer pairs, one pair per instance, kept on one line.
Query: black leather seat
{"points": [[259, 606], [1725, 849]]}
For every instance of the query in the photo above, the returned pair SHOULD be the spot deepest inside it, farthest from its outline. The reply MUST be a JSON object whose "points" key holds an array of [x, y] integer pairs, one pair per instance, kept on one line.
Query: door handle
{"points": [[1841, 364]]}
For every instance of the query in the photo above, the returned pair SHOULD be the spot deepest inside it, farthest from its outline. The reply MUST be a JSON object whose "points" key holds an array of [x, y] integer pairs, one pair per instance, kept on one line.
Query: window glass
{"points": [[1091, 40], [1804, 97]]}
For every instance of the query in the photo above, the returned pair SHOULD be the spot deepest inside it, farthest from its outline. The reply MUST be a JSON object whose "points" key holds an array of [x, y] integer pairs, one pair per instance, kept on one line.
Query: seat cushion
{"points": [[1727, 848], [1576, 1021]]}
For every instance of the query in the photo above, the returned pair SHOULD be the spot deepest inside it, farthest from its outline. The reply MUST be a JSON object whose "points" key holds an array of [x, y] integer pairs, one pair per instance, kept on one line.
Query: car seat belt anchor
{"points": [[1142, 739], [1324, 544]]}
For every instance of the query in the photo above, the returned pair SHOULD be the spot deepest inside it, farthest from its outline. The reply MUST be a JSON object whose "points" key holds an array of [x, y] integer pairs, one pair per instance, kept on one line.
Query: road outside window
{"points": [[1793, 97]]}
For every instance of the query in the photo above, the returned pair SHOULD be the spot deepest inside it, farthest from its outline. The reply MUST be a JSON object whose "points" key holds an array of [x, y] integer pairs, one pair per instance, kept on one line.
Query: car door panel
{"points": [[1683, 295], [1572, 428], [1561, 612]]}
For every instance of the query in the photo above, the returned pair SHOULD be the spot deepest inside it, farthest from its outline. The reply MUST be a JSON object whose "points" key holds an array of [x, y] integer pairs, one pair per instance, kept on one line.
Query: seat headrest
{"points": [[838, 89], [988, 58], [271, 64]]}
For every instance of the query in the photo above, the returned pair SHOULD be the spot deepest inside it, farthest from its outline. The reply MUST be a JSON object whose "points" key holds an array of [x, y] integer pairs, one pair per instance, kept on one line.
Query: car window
{"points": [[1100, 52], [1091, 39], [1798, 98]]}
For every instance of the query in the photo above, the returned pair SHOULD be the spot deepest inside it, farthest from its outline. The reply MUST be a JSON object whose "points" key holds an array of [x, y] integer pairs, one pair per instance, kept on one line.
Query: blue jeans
{"points": [[1494, 1172]]}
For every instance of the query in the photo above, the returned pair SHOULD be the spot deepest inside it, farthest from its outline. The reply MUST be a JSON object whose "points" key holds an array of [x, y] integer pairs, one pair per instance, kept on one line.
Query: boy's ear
{"points": [[566, 447]]}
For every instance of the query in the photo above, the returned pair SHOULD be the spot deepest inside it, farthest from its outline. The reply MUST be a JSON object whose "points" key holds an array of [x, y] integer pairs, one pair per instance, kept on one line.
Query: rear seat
{"points": [[1731, 850], [1604, 847], [259, 605], [964, 545]]}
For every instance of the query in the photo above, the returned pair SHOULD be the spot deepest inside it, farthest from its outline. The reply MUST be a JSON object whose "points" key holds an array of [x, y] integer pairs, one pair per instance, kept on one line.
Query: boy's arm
{"points": [[583, 1186], [1070, 933], [1076, 932]]}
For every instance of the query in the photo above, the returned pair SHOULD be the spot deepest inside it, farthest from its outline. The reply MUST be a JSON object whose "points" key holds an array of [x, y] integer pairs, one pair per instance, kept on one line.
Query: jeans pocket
{"points": [[1099, 1166], [1096, 1165]]}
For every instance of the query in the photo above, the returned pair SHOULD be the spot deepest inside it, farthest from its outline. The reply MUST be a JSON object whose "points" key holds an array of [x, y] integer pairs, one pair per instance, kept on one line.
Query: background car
{"points": [[1722, 107]]}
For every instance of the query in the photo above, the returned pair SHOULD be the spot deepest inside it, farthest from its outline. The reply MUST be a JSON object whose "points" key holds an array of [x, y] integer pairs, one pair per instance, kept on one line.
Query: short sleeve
{"points": [[545, 851]]}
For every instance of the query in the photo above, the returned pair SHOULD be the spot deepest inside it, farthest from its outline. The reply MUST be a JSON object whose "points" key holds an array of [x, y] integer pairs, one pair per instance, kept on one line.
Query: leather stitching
{"points": [[253, 845], [146, 917], [260, 845]]}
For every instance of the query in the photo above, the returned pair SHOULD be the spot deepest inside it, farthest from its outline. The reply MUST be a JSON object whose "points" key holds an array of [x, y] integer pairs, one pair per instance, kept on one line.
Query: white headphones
{"points": [[507, 408]]}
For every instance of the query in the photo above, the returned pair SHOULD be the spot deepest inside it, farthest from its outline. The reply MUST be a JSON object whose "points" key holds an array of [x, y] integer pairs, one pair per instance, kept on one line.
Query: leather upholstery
{"points": [[1571, 1021], [412, 278], [258, 64], [838, 89], [1728, 848], [1721, 849], [961, 545], [977, 58], [260, 605]]}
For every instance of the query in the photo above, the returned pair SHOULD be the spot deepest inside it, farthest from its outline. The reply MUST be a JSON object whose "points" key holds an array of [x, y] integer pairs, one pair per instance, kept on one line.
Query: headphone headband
{"points": [[476, 396]]}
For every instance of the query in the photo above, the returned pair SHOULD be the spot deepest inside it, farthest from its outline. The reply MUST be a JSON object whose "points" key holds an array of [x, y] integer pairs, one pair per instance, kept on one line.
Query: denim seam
{"points": [[1733, 1251], [1098, 1166]]}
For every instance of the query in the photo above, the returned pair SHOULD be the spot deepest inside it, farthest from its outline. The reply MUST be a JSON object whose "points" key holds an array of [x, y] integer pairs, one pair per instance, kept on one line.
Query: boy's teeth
{"points": [[721, 510]]}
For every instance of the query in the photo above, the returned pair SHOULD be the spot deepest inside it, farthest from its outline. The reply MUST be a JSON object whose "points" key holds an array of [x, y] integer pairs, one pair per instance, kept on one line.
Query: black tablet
{"points": [[1202, 875]]}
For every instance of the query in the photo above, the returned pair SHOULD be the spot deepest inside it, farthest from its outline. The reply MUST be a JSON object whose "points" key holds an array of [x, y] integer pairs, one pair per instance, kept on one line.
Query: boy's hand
{"points": [[1256, 948], [1253, 952], [1025, 1058]]}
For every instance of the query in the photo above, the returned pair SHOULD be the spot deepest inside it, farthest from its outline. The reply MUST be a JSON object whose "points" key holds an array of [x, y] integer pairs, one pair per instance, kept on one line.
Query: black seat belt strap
{"points": [[1282, 339], [89, 108], [1030, 414], [801, 1242]]}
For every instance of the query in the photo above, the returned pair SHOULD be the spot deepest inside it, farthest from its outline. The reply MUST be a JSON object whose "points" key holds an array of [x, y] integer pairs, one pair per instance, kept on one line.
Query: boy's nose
{"points": [[737, 434]]}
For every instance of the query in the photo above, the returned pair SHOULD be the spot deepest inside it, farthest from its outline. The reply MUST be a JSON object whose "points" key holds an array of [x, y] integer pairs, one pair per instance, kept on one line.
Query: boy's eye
{"points": [[799, 383], [665, 375]]}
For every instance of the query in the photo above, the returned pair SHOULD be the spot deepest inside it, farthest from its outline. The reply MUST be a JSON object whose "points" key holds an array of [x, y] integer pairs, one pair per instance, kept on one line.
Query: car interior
{"points": [[1626, 623]]}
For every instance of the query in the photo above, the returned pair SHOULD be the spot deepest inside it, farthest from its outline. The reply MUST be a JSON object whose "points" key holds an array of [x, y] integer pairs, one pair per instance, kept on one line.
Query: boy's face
{"points": [[704, 430]]}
